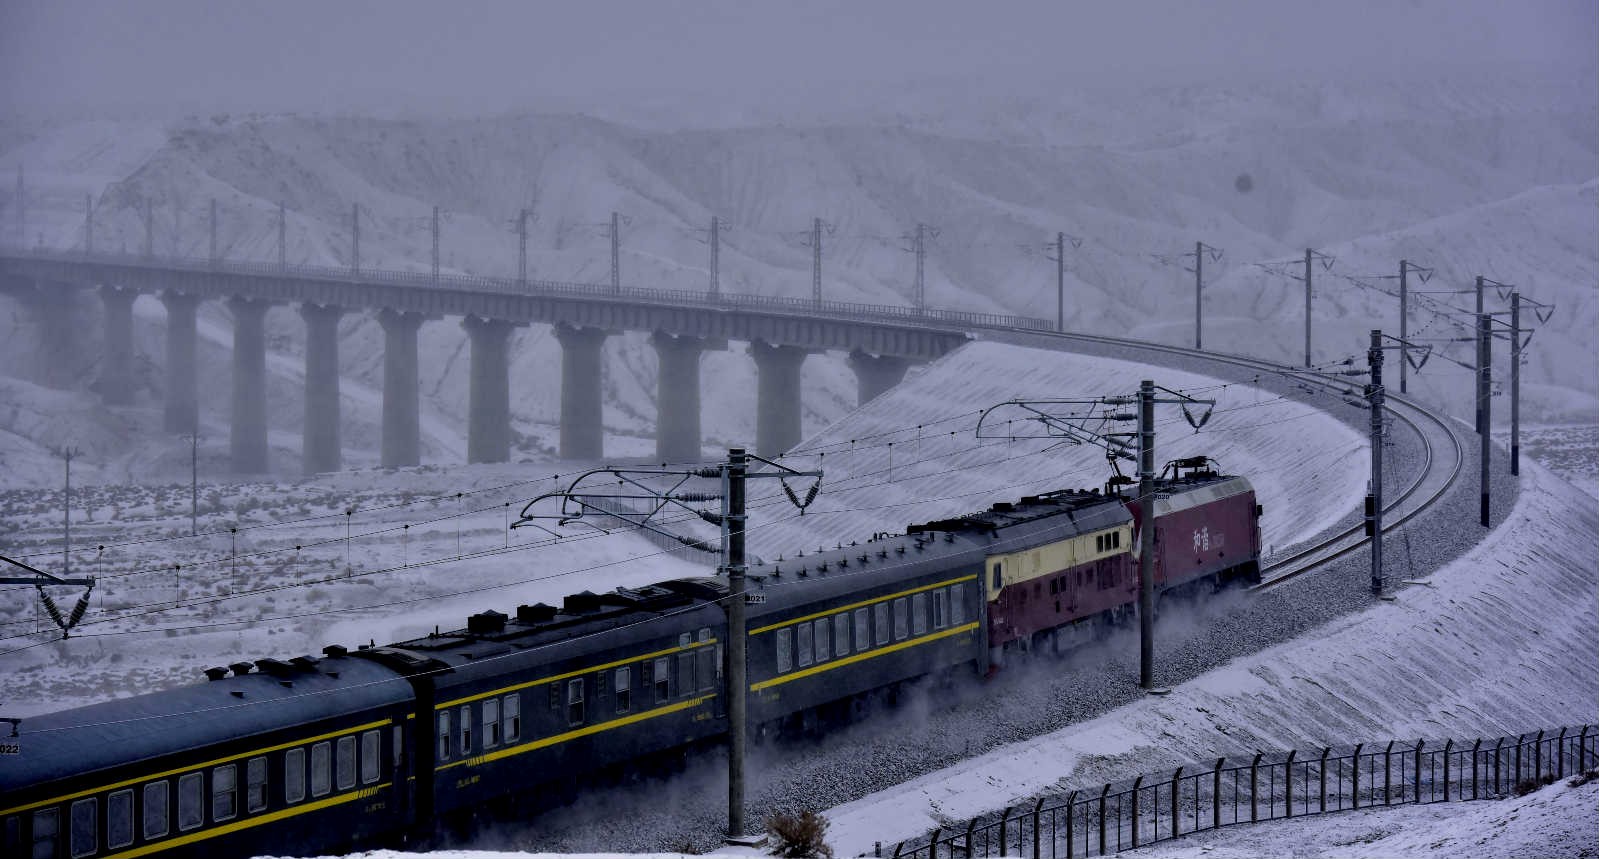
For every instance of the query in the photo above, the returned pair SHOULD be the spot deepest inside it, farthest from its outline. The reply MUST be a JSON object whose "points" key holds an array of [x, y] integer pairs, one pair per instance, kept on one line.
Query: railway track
{"points": [[1443, 455]]}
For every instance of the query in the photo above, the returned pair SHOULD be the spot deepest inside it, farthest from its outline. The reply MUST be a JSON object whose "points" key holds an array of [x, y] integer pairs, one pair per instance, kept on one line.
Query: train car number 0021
{"points": [[754, 599]]}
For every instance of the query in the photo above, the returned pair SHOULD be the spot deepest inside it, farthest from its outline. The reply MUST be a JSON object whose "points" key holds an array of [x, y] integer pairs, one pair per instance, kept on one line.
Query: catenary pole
{"points": [[355, 238], [1060, 282], [435, 244], [1480, 347], [738, 686], [1146, 534], [616, 252], [1515, 383], [283, 237], [816, 261], [1375, 402], [1309, 255], [521, 247], [1404, 321], [1199, 285], [1484, 403]]}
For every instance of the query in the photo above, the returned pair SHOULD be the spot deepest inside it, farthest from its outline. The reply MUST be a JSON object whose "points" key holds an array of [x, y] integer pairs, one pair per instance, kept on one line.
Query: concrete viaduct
{"points": [[882, 342]]}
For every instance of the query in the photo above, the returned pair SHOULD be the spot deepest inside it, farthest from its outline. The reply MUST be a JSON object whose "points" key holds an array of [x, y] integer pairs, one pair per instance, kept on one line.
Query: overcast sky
{"points": [[484, 57]]}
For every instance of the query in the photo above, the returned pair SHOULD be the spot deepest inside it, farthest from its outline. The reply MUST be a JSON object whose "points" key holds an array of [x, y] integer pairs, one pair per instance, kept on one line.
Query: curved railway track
{"points": [[1442, 454]]}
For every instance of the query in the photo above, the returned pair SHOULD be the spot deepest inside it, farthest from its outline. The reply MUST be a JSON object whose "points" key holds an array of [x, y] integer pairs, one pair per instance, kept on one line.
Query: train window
{"points": [[785, 653], [804, 642], [1116, 539], [624, 689], [224, 792], [371, 756], [685, 639], [902, 619], [119, 819], [998, 582], [321, 768], [824, 638], [685, 673], [293, 776], [1054, 586], [663, 681], [466, 726], [919, 613], [880, 621], [841, 633], [84, 838], [863, 629], [191, 800], [46, 833], [444, 735], [491, 723], [940, 608], [255, 784], [399, 747], [155, 810], [344, 763], [705, 668], [715, 660], [574, 701], [957, 604], [1099, 542], [511, 718]]}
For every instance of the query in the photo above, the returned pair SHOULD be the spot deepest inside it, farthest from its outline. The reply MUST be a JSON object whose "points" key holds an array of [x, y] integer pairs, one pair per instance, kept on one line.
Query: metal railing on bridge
{"points": [[799, 307], [1263, 786]]}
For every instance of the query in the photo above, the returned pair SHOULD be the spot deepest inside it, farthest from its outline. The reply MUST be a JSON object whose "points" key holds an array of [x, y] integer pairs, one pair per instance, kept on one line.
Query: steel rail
{"points": [[1404, 508]]}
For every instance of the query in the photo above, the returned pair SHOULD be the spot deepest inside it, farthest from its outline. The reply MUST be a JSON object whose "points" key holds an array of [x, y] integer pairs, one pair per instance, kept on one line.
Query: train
{"points": [[382, 744]]}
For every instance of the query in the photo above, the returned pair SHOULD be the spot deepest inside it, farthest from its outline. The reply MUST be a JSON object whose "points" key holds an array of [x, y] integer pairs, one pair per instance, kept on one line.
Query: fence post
{"points": [[1288, 784], [1038, 809], [932, 845], [1448, 744], [1474, 752], [1560, 754], [1324, 753], [1497, 781], [897, 848], [1215, 796], [1004, 819], [1254, 779], [1582, 750], [1136, 783], [1102, 819], [1354, 795], [972, 824], [1515, 780], [1387, 774], [1416, 774], [1537, 757], [1174, 813], [1071, 835]]}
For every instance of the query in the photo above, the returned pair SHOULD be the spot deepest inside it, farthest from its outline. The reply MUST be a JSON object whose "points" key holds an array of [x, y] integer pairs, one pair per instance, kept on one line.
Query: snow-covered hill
{"points": [[1489, 177]]}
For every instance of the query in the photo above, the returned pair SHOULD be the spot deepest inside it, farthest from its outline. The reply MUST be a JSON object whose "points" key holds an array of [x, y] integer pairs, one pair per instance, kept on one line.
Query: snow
{"points": [[1441, 672]]}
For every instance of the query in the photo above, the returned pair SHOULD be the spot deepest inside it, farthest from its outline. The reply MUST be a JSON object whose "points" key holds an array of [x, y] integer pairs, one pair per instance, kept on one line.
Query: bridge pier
{"points": [[402, 427], [116, 364], [582, 419], [875, 374], [488, 433], [247, 435], [320, 441], [182, 413], [57, 356], [777, 396], [677, 395]]}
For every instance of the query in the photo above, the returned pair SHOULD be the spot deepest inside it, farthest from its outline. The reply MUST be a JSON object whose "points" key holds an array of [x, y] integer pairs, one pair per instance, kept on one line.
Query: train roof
{"points": [[548, 634], [273, 695]]}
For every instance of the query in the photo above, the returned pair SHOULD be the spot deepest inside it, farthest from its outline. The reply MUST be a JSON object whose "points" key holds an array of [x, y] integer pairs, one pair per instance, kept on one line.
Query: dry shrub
{"points": [[799, 836]]}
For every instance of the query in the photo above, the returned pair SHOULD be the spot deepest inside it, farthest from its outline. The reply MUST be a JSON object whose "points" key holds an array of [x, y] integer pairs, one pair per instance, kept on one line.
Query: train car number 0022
{"points": [[10, 748]]}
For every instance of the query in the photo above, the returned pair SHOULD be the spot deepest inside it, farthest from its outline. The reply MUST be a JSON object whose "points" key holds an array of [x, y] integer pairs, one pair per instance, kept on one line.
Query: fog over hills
{"points": [[1494, 177]]}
